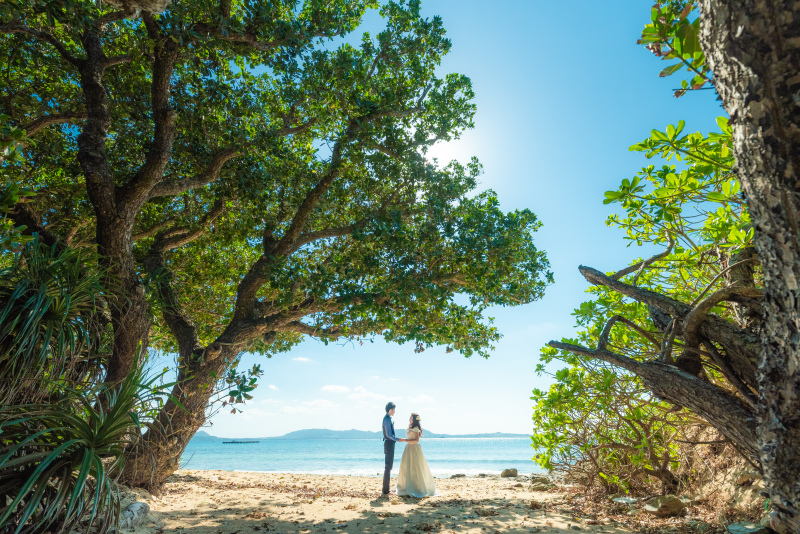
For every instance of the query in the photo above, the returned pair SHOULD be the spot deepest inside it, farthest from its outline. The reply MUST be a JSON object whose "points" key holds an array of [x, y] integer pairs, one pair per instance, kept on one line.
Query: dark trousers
{"points": [[388, 450]]}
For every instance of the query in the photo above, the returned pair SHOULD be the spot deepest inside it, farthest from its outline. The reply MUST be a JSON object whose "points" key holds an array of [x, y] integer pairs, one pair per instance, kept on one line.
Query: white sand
{"points": [[224, 502]]}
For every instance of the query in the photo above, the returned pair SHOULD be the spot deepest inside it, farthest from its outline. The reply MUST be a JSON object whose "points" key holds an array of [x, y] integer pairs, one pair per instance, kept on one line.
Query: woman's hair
{"points": [[415, 422]]}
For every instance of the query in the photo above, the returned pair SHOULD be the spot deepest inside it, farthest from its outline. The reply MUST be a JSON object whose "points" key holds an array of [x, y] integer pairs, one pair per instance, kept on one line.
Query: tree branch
{"points": [[730, 373], [209, 174], [313, 331], [338, 231], [178, 237], [118, 60], [698, 314], [729, 414], [178, 321], [42, 36], [215, 31], [603, 340], [273, 250], [639, 267], [24, 215], [667, 304], [138, 189], [153, 230], [107, 19], [48, 120], [739, 344], [291, 130]]}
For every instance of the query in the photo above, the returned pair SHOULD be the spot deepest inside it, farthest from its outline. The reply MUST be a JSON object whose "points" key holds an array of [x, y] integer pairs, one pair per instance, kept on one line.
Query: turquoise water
{"points": [[364, 457]]}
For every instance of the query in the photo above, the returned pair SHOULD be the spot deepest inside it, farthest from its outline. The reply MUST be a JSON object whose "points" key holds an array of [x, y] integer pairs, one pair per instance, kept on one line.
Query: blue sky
{"points": [[562, 91]]}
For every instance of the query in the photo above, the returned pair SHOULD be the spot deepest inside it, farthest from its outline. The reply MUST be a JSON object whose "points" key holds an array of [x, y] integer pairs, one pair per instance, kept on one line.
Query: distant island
{"points": [[320, 433]]}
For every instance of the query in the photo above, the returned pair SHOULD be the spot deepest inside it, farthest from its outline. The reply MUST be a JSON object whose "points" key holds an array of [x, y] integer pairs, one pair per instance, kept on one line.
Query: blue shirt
{"points": [[388, 429]]}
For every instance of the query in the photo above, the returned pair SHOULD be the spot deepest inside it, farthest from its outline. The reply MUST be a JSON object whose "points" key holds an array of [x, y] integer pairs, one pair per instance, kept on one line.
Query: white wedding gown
{"points": [[415, 476]]}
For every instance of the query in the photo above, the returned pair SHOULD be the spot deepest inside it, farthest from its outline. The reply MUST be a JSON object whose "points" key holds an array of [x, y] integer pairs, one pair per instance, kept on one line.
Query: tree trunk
{"points": [[753, 48], [158, 454], [114, 219]]}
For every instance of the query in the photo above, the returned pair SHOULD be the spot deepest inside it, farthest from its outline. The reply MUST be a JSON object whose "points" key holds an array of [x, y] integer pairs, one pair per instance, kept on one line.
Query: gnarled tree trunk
{"points": [[753, 48]]}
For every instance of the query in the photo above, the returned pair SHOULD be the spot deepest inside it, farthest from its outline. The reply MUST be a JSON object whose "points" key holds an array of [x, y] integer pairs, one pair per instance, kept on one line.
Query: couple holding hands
{"points": [[415, 476]]}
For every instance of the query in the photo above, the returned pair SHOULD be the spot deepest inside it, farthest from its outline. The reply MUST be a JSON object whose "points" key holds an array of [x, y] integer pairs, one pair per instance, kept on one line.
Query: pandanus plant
{"points": [[63, 432], [59, 460], [52, 321]]}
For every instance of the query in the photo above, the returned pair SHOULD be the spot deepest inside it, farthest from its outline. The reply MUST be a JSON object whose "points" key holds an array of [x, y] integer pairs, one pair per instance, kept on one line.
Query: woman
{"points": [[415, 477]]}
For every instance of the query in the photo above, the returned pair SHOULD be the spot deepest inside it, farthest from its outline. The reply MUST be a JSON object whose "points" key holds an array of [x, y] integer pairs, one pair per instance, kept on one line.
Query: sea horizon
{"points": [[327, 433], [361, 457]]}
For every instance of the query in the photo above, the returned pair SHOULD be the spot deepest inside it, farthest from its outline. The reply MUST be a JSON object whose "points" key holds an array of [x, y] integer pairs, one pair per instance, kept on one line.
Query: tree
{"points": [[755, 66], [751, 48], [695, 209], [248, 182]]}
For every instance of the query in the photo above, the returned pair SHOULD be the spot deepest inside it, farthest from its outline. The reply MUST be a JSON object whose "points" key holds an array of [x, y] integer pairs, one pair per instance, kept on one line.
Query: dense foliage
{"points": [[600, 422]]}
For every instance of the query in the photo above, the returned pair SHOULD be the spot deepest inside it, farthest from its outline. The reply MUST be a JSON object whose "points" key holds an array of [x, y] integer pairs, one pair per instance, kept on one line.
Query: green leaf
{"points": [[670, 70]]}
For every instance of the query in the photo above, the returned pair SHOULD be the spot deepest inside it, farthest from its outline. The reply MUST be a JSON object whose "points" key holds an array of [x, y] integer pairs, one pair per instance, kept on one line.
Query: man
{"points": [[389, 441]]}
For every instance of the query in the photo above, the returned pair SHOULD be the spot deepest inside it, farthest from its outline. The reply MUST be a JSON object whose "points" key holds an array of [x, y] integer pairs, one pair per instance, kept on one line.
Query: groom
{"points": [[389, 441]]}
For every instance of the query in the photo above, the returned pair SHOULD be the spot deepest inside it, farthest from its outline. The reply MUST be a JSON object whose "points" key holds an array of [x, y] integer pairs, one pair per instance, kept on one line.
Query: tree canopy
{"points": [[251, 174]]}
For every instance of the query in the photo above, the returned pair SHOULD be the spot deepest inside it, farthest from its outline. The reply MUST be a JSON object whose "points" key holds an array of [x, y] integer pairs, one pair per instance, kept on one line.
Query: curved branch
{"points": [[291, 130], [729, 414], [313, 331], [663, 302], [42, 36], [339, 231], [719, 275], [107, 19], [118, 60], [178, 321], [177, 237], [730, 373], [209, 174], [603, 340], [224, 34], [740, 345], [273, 250], [48, 120], [153, 230], [639, 267], [139, 188], [698, 314], [24, 215]]}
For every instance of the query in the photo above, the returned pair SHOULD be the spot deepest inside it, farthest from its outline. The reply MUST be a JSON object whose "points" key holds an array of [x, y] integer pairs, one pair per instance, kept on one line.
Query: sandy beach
{"points": [[224, 502]]}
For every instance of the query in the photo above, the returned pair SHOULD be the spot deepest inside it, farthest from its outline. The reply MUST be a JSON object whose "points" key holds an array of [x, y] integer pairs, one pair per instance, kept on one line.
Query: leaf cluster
{"points": [[673, 35]]}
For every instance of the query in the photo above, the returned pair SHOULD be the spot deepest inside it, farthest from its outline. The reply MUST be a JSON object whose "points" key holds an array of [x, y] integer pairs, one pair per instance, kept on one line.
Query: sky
{"points": [[562, 90]]}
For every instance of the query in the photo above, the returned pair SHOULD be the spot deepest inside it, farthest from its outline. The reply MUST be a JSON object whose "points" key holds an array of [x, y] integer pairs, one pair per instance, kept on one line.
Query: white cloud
{"points": [[360, 392], [373, 377], [421, 398], [313, 406], [336, 389], [302, 359], [253, 414], [273, 402], [273, 387]]}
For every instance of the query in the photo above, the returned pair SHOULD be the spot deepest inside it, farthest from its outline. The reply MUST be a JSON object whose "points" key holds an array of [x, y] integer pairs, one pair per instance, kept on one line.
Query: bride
{"points": [[415, 477]]}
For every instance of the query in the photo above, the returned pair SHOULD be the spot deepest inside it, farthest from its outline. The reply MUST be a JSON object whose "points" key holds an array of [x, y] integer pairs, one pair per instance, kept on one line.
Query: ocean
{"points": [[362, 457]]}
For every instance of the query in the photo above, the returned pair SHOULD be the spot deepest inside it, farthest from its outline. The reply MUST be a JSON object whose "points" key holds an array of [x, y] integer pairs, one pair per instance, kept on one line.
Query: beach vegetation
{"points": [[708, 326], [62, 429]]}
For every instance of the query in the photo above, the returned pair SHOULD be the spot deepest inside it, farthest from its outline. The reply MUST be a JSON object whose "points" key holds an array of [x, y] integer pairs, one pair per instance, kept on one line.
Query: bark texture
{"points": [[753, 48], [115, 218]]}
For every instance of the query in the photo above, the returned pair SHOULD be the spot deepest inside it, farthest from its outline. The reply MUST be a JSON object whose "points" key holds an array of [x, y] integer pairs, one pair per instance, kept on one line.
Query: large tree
{"points": [[753, 50], [249, 180]]}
